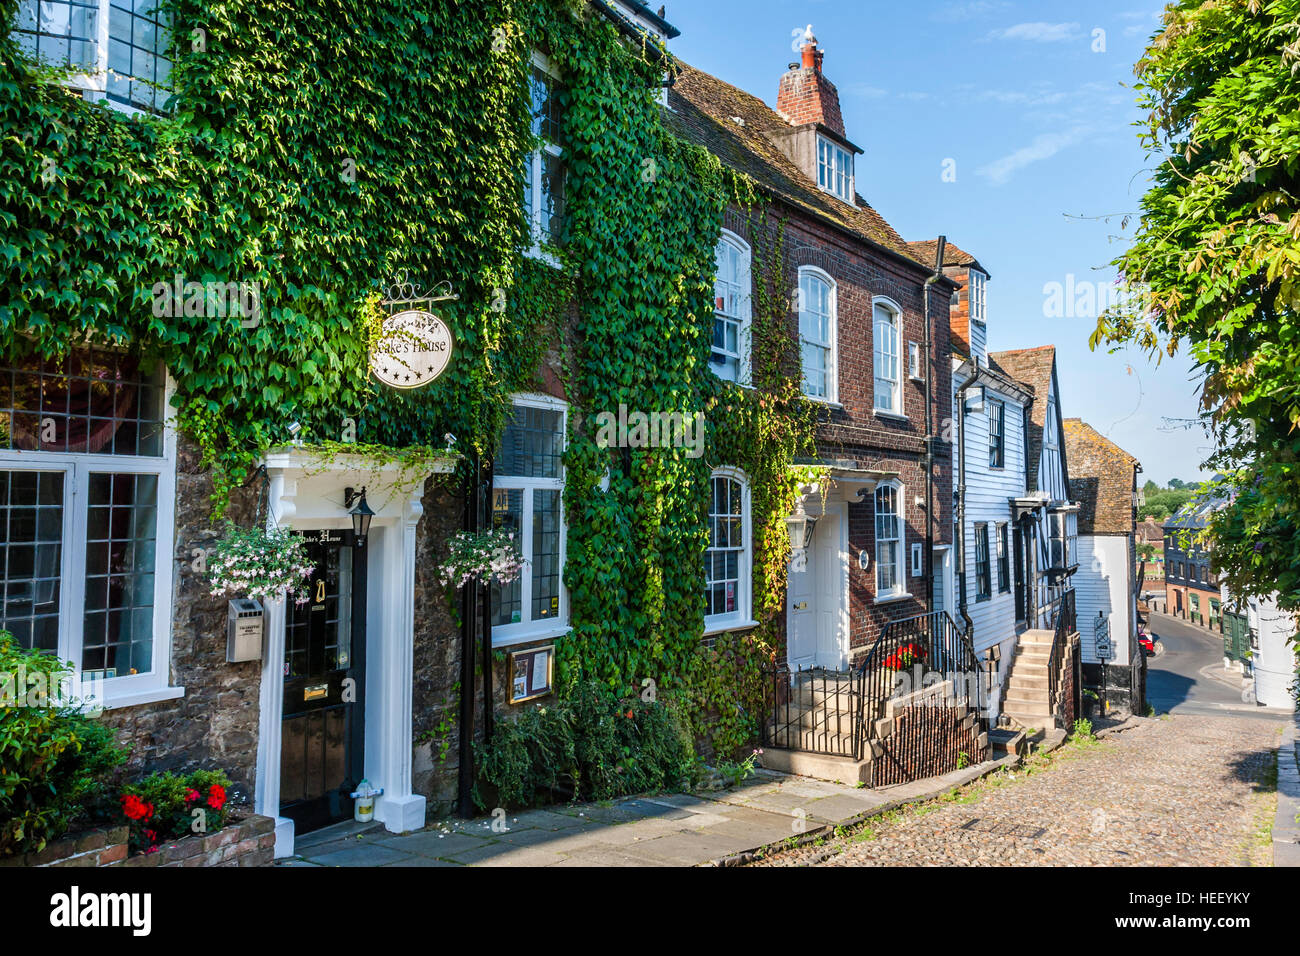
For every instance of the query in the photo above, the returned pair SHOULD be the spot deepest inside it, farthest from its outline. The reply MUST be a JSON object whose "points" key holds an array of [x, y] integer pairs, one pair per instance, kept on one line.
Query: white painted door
{"points": [[801, 633], [826, 591], [815, 599]]}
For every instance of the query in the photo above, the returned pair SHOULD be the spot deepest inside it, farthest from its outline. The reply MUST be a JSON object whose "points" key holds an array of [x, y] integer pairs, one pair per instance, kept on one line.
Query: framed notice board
{"points": [[531, 672]]}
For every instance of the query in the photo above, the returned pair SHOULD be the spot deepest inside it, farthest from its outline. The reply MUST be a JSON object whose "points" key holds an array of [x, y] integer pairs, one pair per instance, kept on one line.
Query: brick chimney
{"points": [[806, 96]]}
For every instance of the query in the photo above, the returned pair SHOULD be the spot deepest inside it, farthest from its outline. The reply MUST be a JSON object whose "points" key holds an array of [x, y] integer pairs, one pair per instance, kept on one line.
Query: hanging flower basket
{"points": [[259, 564], [481, 556]]}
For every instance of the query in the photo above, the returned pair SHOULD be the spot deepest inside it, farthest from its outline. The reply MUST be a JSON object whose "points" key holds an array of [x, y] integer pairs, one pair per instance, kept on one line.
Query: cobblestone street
{"points": [[1187, 790]]}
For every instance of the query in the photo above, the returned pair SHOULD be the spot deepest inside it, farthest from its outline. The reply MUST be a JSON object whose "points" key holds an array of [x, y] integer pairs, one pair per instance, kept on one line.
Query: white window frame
{"points": [[896, 390], [832, 345], [1050, 422], [976, 297], [744, 279], [536, 249], [1001, 433], [835, 168], [742, 616], [899, 589], [94, 85], [125, 690], [504, 635]]}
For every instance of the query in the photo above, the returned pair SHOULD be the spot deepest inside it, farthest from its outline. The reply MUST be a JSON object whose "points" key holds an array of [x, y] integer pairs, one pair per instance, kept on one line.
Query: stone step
{"points": [[1008, 741], [1030, 668], [1020, 705], [821, 766], [1037, 637], [1027, 682]]}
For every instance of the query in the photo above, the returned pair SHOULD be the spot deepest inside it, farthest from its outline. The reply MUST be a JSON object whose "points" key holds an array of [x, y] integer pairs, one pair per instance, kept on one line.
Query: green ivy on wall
{"points": [[321, 147]]}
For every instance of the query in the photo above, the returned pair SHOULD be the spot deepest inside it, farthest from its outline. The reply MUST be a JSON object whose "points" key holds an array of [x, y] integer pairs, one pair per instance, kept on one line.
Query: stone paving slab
{"points": [[649, 830]]}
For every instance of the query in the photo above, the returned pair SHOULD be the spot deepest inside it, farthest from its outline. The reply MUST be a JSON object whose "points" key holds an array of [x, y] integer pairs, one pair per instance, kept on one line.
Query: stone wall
{"points": [[214, 725]]}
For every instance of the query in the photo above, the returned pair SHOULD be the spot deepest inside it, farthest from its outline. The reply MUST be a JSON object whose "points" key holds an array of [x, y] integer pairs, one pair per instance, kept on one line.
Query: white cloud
{"points": [[1044, 146], [1039, 32], [968, 10]]}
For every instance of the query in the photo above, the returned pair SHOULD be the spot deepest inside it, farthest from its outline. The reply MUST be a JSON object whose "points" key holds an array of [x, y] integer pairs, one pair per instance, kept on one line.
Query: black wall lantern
{"points": [[361, 514]]}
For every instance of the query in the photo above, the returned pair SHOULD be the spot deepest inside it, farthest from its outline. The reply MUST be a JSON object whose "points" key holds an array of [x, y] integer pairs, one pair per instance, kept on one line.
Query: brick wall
{"points": [[807, 96], [246, 842], [853, 431]]}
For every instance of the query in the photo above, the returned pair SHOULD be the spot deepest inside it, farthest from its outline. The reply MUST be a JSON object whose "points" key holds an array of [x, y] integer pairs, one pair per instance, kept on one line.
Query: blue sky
{"points": [[1038, 128]]}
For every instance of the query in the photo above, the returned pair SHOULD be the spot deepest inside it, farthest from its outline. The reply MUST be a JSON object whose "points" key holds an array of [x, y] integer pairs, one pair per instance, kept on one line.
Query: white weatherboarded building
{"points": [[1103, 480]]}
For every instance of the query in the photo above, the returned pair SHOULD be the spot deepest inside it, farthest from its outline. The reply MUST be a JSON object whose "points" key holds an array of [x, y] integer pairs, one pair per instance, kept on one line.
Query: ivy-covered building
{"points": [[657, 327]]}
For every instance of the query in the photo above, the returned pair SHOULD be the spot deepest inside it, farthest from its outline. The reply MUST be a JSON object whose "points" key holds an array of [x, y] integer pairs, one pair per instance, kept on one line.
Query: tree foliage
{"points": [[1216, 262]]}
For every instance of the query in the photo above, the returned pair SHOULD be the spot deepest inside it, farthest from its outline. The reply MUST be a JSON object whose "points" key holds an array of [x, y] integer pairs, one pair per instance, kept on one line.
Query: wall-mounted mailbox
{"points": [[244, 631]]}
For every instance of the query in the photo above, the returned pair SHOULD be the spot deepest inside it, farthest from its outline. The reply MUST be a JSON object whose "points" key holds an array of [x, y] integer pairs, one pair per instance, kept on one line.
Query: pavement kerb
{"points": [[1286, 830], [812, 835]]}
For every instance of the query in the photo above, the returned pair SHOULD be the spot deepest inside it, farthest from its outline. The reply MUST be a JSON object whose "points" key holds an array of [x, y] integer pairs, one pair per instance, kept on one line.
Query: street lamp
{"points": [[362, 513]]}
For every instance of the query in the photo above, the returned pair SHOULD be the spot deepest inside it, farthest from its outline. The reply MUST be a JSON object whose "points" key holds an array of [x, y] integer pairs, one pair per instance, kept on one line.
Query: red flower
{"points": [[191, 795], [906, 656], [628, 715], [216, 796], [135, 808]]}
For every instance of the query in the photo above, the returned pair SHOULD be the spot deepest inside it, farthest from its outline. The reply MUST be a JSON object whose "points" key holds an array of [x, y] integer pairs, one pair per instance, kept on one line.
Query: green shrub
{"points": [[529, 755], [54, 760], [595, 745], [167, 806]]}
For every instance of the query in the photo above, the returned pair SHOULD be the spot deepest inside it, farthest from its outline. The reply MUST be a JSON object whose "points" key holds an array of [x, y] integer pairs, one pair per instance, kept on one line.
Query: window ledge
{"points": [[540, 634], [711, 629], [830, 402], [891, 597], [136, 698], [895, 416]]}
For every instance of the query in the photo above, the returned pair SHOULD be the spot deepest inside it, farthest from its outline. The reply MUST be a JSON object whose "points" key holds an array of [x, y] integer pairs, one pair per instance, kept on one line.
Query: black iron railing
{"points": [[837, 712], [1064, 626], [903, 659], [812, 709]]}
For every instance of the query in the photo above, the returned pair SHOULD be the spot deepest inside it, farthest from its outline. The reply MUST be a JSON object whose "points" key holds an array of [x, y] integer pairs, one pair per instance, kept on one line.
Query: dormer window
{"points": [[977, 280], [834, 169]]}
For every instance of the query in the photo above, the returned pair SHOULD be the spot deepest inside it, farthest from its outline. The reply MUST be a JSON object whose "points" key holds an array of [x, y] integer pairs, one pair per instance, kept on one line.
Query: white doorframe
{"points": [[833, 554], [306, 493]]}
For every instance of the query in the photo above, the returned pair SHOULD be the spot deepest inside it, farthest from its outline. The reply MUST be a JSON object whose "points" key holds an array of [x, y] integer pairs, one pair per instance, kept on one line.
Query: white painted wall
{"points": [[1103, 584], [988, 500], [1274, 661]]}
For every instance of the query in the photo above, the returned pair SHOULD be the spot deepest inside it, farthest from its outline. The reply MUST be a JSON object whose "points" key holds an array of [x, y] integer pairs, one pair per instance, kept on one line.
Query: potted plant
{"points": [[259, 564], [906, 656]]}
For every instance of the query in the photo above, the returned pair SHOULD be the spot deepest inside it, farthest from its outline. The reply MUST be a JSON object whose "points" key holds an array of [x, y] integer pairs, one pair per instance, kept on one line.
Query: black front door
{"points": [[1018, 553], [321, 754]]}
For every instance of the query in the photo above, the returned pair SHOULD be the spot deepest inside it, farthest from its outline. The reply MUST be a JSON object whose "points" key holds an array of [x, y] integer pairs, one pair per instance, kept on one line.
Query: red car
{"points": [[1148, 642]]}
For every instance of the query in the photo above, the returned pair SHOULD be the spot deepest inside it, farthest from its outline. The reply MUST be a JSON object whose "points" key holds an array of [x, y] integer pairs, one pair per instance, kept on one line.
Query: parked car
{"points": [[1148, 642]]}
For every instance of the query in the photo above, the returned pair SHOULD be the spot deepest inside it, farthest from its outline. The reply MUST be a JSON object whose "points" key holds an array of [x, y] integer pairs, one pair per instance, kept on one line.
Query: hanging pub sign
{"points": [[413, 349], [414, 344]]}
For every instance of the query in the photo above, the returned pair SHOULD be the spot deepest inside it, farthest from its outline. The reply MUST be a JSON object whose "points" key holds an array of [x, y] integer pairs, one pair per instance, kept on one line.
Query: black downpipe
{"points": [[961, 498], [929, 428], [485, 506], [468, 620]]}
